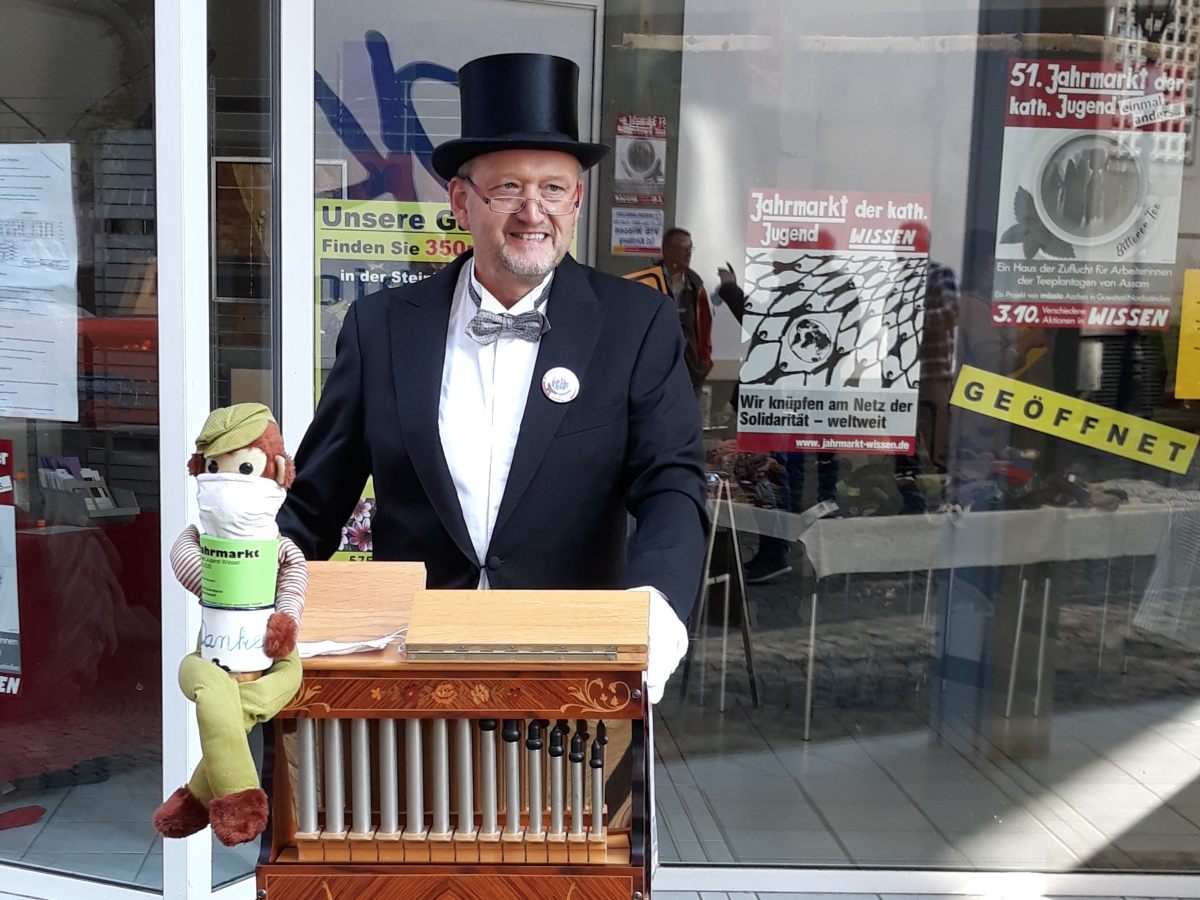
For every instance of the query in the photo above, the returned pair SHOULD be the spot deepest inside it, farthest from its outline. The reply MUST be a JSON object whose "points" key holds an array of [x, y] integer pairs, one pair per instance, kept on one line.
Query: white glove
{"points": [[668, 644]]}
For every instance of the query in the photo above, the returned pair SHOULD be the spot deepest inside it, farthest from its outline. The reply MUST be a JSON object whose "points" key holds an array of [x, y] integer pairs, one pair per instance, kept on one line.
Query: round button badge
{"points": [[560, 385]]}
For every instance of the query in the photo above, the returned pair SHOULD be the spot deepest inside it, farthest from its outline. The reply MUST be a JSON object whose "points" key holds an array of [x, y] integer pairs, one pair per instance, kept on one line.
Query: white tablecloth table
{"points": [[980, 539], [929, 541], [944, 541]]}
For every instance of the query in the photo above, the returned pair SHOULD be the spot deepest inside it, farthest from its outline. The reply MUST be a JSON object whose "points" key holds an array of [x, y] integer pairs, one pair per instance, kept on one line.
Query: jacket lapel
{"points": [[575, 314], [418, 326]]}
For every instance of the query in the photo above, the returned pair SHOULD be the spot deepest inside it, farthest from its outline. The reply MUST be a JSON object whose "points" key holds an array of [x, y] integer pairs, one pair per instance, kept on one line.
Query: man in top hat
{"points": [[513, 407]]}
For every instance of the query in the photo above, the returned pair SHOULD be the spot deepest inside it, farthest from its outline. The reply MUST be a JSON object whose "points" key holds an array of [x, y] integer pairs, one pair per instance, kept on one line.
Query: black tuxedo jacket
{"points": [[630, 441]]}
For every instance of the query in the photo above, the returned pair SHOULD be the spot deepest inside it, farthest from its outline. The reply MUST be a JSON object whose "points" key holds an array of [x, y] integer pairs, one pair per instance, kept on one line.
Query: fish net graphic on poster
{"points": [[832, 350]]}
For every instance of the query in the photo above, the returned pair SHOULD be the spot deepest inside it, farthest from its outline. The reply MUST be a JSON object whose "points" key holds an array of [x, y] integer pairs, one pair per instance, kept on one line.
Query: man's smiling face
{"points": [[514, 251]]}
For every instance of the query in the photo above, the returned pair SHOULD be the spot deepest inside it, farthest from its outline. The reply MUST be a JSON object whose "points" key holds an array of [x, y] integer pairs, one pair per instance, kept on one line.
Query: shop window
{"points": [[80, 692]]}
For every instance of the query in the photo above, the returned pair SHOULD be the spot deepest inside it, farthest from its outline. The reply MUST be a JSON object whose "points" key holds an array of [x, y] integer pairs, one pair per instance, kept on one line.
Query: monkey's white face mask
{"points": [[239, 507]]}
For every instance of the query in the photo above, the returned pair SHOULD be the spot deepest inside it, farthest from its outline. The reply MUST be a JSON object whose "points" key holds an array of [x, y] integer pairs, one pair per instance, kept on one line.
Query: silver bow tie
{"points": [[486, 327]]}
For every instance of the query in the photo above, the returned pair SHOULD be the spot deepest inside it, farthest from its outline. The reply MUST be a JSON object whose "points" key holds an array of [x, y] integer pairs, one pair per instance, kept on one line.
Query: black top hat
{"points": [[517, 101]]}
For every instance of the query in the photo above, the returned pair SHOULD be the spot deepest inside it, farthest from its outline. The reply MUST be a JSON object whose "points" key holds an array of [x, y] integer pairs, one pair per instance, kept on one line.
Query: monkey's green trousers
{"points": [[226, 711]]}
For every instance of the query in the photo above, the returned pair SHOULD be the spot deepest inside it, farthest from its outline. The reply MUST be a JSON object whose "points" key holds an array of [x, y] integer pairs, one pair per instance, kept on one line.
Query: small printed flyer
{"points": [[637, 232], [640, 159], [639, 185], [835, 299], [39, 263], [1089, 195]]}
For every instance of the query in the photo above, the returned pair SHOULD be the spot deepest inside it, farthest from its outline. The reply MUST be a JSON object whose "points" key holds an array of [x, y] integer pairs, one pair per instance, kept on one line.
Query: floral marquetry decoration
{"points": [[480, 694], [601, 696], [306, 699], [443, 693], [598, 696]]}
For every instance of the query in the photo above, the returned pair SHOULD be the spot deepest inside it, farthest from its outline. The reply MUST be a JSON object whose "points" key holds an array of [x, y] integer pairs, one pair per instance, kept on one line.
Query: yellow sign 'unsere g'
{"points": [[1074, 420]]}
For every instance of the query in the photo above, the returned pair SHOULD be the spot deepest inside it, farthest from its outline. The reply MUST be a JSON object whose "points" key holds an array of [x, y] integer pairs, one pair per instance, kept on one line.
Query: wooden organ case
{"points": [[500, 754]]}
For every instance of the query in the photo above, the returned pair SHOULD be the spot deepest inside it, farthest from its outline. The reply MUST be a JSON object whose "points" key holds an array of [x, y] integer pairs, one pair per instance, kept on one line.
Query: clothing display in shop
{"points": [[1015, 480]]}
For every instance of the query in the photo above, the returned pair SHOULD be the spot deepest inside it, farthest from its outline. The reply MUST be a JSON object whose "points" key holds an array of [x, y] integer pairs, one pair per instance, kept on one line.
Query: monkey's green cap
{"points": [[232, 427]]}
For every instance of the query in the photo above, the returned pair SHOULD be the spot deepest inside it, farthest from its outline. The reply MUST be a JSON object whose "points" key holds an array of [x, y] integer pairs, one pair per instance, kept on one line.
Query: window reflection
{"points": [[79, 527], [962, 649]]}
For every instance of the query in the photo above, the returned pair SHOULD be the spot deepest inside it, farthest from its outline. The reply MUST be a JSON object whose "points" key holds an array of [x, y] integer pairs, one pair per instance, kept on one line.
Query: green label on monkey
{"points": [[238, 574]]}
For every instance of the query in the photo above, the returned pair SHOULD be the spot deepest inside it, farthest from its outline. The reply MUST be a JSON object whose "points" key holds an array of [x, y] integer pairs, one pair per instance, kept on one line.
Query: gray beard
{"points": [[518, 265]]}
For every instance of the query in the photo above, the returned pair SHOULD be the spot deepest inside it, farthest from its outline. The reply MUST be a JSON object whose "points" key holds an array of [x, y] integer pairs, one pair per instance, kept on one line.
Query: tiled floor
{"points": [[1108, 779], [742, 787], [114, 815]]}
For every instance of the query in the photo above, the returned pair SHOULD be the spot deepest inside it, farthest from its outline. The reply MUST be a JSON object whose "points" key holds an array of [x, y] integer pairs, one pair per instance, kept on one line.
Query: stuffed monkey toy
{"points": [[251, 582]]}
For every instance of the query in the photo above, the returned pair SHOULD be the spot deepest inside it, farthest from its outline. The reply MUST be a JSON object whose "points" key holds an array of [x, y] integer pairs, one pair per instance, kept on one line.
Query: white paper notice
{"points": [[38, 260], [637, 231], [10, 621]]}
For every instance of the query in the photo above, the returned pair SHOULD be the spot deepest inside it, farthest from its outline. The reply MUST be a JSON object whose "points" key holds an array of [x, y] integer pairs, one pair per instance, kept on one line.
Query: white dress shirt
{"points": [[484, 387]]}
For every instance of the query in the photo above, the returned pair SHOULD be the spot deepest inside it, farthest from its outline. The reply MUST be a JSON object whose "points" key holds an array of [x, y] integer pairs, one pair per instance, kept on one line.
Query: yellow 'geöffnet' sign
{"points": [[1075, 420]]}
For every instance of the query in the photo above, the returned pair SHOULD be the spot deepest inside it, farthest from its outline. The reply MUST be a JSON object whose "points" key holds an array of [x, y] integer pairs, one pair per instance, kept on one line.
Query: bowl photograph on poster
{"points": [[1099, 196], [640, 159], [1090, 188]]}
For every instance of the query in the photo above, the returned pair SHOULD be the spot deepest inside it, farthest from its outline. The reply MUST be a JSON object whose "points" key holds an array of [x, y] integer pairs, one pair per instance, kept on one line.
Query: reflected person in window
{"points": [[691, 304]]}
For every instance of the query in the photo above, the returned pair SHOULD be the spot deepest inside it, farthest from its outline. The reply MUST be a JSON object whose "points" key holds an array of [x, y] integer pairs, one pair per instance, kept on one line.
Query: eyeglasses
{"points": [[504, 204]]}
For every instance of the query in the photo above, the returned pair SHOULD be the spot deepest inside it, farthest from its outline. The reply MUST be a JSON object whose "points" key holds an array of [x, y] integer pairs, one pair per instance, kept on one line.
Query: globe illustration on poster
{"points": [[810, 341]]}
